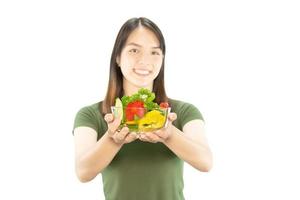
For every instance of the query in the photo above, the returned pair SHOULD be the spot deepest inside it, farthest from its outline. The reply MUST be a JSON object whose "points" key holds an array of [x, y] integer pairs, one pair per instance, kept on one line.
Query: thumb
{"points": [[109, 118], [172, 117]]}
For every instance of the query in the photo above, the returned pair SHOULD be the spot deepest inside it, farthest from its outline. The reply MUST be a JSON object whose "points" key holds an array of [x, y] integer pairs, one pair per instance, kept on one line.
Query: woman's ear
{"points": [[118, 61]]}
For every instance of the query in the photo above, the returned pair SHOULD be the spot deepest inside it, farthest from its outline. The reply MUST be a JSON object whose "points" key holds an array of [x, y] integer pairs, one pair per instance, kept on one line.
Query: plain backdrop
{"points": [[237, 61]]}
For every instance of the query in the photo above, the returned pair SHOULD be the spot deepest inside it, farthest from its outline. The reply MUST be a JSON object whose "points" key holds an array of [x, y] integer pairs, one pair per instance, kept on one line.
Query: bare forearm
{"points": [[197, 155], [97, 158]]}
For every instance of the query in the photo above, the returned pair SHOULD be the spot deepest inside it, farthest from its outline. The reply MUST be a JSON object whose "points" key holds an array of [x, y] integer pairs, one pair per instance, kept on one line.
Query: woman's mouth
{"points": [[142, 72]]}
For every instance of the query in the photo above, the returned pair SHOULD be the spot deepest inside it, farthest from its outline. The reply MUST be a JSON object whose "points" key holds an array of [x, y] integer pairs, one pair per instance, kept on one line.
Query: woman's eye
{"points": [[155, 53], [133, 50]]}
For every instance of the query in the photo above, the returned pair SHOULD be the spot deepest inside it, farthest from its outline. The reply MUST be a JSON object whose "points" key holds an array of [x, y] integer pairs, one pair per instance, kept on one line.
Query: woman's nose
{"points": [[144, 59]]}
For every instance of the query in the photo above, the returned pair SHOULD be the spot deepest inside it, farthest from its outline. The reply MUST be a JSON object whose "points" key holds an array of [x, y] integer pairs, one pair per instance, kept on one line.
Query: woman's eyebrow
{"points": [[138, 45]]}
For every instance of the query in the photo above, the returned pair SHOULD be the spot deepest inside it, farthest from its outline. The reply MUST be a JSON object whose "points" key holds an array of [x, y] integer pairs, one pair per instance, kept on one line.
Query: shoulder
{"points": [[90, 116], [91, 108], [180, 105], [185, 112]]}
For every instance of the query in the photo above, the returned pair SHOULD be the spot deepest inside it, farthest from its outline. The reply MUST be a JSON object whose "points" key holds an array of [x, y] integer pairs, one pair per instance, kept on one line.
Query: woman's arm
{"points": [[92, 156], [191, 145]]}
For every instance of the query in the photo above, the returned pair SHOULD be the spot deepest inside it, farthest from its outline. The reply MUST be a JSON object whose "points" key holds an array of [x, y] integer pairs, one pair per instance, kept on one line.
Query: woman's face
{"points": [[141, 58]]}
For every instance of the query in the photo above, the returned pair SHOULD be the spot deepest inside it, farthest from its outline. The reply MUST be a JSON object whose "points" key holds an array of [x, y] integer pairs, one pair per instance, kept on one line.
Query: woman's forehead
{"points": [[142, 37]]}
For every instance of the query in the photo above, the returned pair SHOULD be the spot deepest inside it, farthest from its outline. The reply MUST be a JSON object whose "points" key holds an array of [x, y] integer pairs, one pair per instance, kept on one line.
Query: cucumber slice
{"points": [[119, 108]]}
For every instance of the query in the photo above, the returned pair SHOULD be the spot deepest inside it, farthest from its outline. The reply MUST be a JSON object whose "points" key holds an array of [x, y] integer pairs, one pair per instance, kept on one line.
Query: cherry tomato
{"points": [[164, 105]]}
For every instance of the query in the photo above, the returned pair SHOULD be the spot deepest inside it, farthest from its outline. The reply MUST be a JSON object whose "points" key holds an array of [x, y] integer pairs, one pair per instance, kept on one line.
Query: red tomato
{"points": [[164, 105], [135, 108]]}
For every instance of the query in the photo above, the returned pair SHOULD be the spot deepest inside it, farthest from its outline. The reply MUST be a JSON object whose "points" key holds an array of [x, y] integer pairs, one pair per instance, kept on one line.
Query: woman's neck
{"points": [[130, 89]]}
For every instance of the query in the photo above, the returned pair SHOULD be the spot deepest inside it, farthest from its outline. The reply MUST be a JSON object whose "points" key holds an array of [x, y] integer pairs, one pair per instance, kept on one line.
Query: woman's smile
{"points": [[141, 72]]}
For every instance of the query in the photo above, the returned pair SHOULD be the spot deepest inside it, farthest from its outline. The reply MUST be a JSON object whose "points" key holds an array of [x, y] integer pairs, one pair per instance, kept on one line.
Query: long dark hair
{"points": [[115, 84]]}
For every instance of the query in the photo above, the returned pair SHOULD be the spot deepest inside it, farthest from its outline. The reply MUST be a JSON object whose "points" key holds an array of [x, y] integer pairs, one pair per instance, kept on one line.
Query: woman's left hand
{"points": [[160, 135]]}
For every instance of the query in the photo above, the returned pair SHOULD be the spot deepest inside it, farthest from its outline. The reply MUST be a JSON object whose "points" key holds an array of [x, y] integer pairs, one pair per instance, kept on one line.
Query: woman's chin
{"points": [[145, 82], [142, 84]]}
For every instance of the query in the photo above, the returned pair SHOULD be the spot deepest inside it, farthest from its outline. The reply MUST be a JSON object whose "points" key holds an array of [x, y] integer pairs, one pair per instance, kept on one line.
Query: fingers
{"points": [[124, 136], [143, 137], [112, 123], [131, 137], [161, 134], [150, 137], [119, 136], [109, 118], [172, 117]]}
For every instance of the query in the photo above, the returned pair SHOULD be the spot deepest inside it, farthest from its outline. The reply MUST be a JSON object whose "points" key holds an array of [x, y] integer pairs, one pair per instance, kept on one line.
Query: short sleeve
{"points": [[85, 117], [188, 113]]}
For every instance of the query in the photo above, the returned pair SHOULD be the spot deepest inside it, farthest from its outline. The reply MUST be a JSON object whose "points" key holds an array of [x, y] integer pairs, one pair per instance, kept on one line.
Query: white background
{"points": [[237, 61]]}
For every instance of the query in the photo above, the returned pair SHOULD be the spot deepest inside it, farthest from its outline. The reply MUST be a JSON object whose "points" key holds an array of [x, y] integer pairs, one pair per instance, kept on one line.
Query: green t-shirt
{"points": [[141, 170]]}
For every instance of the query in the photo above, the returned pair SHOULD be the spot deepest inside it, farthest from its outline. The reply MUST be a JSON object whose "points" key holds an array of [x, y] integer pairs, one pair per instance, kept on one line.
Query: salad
{"points": [[140, 113]]}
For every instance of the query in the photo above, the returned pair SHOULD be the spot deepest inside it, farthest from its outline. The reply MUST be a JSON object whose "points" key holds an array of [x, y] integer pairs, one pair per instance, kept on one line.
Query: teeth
{"points": [[142, 72]]}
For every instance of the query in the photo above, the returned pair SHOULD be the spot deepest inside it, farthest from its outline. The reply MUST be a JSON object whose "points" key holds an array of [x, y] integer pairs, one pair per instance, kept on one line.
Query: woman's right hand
{"points": [[122, 136]]}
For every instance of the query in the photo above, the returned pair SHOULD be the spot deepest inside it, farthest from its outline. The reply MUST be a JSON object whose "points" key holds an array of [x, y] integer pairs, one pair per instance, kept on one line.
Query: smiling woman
{"points": [[140, 60], [152, 159]]}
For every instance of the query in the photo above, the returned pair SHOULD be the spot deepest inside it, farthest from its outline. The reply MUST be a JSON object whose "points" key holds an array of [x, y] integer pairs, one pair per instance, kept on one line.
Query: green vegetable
{"points": [[144, 95]]}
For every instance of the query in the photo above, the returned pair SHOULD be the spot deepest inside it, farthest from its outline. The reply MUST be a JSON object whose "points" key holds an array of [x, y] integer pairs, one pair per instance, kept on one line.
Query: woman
{"points": [[146, 166]]}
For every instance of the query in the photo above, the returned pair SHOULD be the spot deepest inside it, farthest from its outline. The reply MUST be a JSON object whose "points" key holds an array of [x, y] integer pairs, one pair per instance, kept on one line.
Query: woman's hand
{"points": [[119, 136], [160, 135]]}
